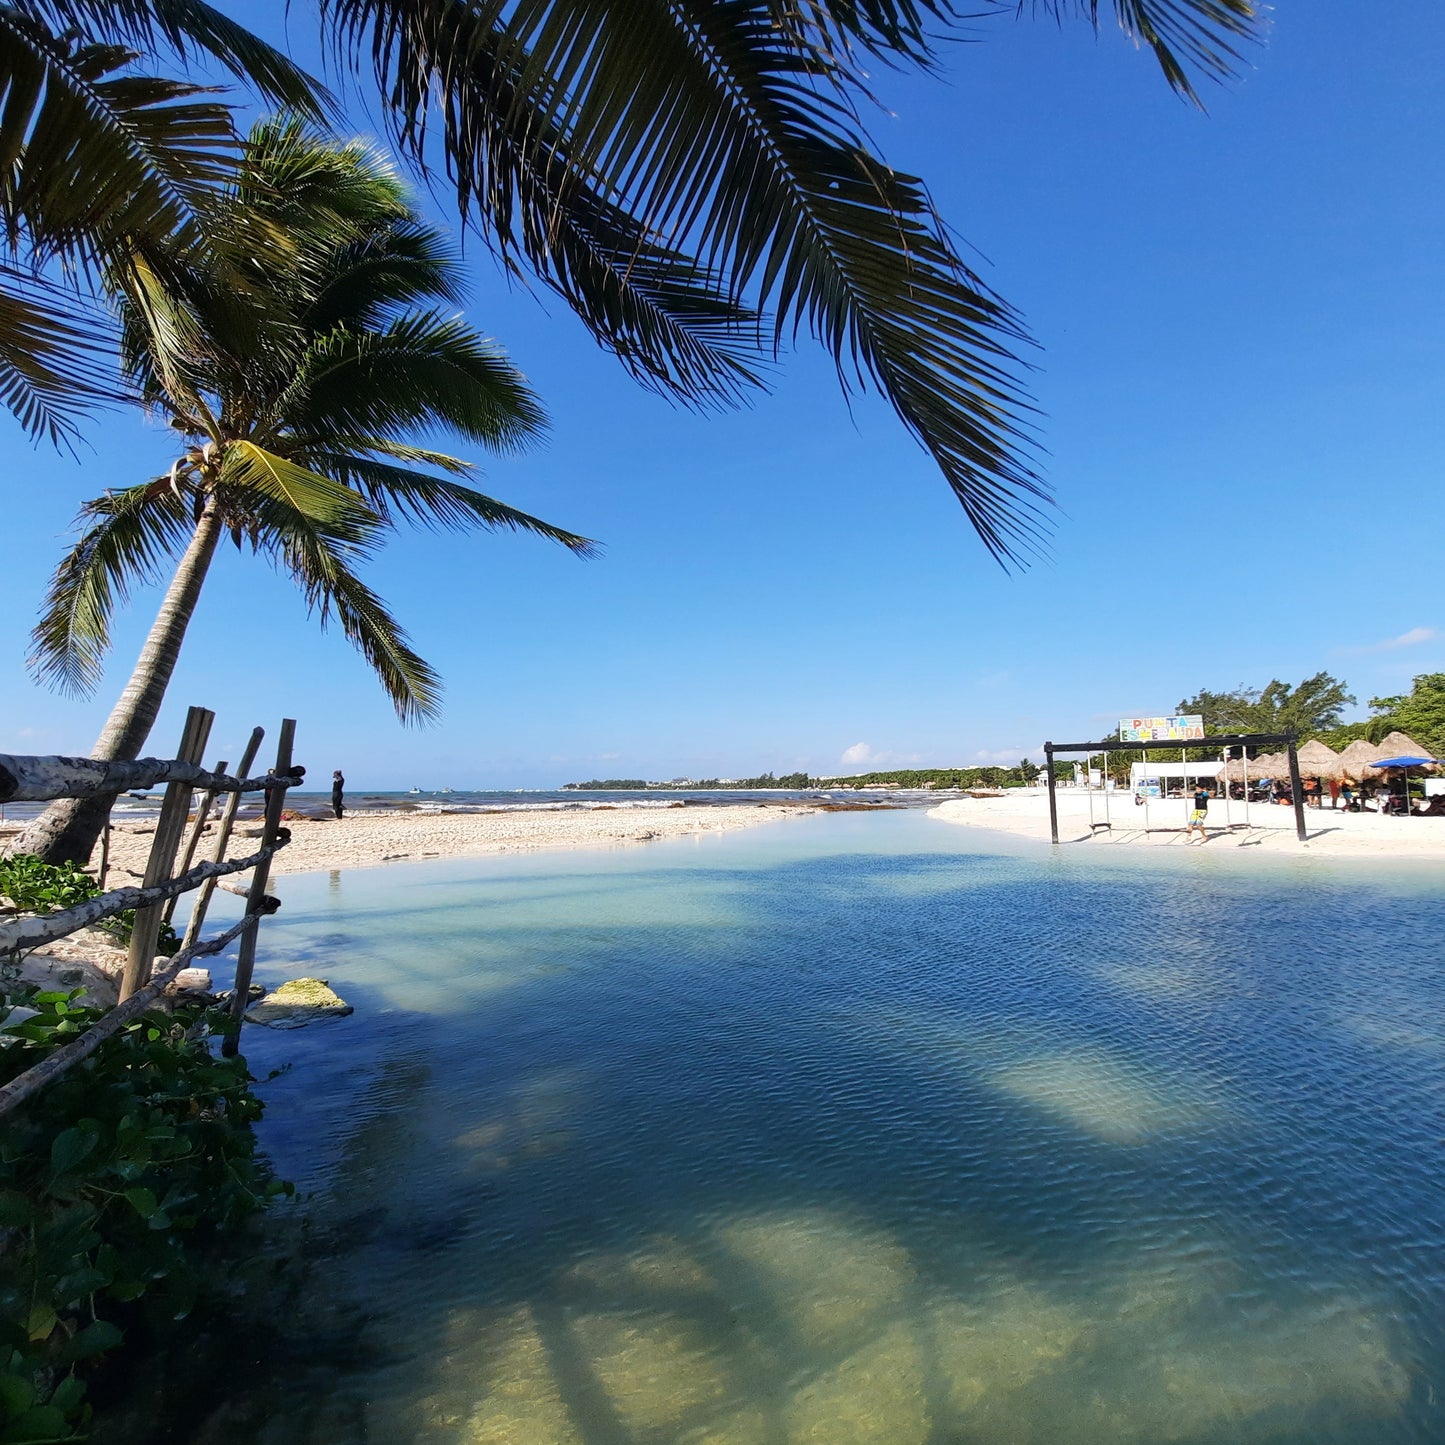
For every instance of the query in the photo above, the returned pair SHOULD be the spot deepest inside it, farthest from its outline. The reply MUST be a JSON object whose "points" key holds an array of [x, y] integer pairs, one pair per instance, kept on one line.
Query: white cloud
{"points": [[1411, 638], [866, 757], [1009, 756]]}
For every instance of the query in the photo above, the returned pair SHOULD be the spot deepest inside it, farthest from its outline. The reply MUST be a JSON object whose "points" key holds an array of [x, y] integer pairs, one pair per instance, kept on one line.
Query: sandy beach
{"points": [[368, 839], [1025, 813]]}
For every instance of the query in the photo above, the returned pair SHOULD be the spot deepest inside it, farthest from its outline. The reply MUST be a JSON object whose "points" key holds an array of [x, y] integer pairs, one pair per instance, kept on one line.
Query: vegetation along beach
{"points": [[721, 724]]}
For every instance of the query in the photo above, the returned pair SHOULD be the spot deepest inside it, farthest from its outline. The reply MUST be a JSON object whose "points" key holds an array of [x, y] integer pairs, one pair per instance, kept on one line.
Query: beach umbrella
{"points": [[1318, 760], [1399, 755], [1355, 759]]}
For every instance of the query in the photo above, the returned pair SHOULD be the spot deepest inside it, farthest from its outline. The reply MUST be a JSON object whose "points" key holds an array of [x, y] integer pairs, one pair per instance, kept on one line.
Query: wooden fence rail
{"points": [[41, 779], [30, 932], [22, 1086]]}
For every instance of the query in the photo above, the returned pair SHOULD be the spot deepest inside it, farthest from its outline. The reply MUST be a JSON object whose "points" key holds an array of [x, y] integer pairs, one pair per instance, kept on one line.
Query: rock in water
{"points": [[296, 1003]]}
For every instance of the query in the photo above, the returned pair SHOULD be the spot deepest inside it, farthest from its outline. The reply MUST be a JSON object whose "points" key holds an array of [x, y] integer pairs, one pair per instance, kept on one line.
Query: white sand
{"points": [[1025, 813], [363, 839]]}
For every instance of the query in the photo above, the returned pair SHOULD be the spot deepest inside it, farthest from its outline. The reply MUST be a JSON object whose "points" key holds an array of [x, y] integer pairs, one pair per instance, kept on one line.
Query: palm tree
{"points": [[98, 162], [679, 169], [293, 394]]}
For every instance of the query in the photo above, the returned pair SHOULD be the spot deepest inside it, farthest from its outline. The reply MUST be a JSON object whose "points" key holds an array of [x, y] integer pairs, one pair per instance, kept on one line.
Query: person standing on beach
{"points": [[338, 788], [1200, 813]]}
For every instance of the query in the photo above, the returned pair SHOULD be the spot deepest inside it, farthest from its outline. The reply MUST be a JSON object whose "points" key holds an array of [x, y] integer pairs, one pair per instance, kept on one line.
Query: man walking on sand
{"points": [[1200, 813], [338, 788]]}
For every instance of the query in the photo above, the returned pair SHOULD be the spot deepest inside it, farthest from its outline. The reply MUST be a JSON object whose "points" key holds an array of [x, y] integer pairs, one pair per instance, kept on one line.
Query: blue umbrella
{"points": [[1404, 762]]}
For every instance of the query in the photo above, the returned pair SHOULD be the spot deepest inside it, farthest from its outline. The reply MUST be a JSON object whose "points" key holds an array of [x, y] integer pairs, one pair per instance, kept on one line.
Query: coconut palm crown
{"points": [[293, 396]]}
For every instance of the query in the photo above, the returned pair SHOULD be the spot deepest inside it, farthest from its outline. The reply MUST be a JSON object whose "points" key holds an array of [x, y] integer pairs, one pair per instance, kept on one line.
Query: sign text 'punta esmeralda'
{"points": [[1161, 729]]}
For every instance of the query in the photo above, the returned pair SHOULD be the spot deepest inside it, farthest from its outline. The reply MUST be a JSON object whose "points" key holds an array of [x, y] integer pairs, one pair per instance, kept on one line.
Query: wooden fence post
{"points": [[169, 827], [203, 811], [246, 956], [223, 838]]}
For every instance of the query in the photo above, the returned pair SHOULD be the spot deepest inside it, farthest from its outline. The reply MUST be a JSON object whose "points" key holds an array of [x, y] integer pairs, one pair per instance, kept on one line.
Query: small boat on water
{"points": [[412, 792]]}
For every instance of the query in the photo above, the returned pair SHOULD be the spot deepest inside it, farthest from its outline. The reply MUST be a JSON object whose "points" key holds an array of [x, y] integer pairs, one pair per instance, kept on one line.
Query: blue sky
{"points": [[1242, 362]]}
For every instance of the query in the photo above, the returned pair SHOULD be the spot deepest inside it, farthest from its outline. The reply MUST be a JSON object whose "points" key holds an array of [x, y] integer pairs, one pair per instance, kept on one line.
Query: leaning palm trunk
{"points": [[67, 830]]}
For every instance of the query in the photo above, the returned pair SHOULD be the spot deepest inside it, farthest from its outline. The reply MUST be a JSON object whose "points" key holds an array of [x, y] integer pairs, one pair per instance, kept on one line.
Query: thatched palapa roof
{"points": [[1356, 757], [1318, 760], [1401, 745], [1236, 770]]}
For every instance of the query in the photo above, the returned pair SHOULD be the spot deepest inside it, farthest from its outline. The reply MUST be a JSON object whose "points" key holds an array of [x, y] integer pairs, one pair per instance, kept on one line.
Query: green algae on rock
{"points": [[296, 1003]]}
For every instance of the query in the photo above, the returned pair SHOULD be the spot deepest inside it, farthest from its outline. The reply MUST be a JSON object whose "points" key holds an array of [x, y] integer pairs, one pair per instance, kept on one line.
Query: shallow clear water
{"points": [[870, 1129]]}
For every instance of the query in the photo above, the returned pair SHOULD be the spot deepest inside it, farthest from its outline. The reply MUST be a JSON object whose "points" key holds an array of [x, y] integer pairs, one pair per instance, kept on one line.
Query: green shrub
{"points": [[122, 1184], [37, 887]]}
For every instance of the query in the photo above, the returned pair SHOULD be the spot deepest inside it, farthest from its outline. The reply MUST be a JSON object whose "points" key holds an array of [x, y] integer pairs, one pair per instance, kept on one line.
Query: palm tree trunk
{"points": [[67, 830]]}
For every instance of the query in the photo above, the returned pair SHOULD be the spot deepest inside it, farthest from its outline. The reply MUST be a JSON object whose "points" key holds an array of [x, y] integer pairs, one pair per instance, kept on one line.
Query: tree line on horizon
{"points": [[992, 777], [1312, 708]]}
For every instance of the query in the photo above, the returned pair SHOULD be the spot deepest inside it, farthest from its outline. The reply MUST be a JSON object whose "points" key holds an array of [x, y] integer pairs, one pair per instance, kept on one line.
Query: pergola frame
{"points": [[1214, 740]]}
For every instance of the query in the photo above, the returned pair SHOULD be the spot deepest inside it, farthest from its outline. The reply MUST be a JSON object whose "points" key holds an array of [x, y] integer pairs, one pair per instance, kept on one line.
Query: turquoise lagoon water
{"points": [[868, 1129]]}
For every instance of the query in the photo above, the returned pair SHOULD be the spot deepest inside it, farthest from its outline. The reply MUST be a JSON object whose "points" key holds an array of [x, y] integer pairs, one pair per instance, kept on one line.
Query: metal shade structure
{"points": [[1248, 741]]}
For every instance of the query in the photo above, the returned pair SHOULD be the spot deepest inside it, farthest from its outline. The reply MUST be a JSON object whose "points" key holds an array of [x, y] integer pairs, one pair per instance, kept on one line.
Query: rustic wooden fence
{"points": [[42, 779]]}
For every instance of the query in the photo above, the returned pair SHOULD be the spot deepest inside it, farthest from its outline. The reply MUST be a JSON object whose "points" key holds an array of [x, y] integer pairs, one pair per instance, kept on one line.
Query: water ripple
{"points": [[860, 1137]]}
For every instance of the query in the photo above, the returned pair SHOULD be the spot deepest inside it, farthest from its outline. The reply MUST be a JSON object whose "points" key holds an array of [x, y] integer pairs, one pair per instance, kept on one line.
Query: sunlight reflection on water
{"points": [[864, 1131]]}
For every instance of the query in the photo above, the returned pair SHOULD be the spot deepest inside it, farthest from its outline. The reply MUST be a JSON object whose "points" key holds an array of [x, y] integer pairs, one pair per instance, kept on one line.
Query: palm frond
{"points": [[52, 356], [129, 535], [1184, 35], [367, 279], [163, 343], [331, 587], [97, 165], [93, 155], [187, 28], [248, 469], [360, 444], [725, 135], [398, 493], [418, 370], [672, 323]]}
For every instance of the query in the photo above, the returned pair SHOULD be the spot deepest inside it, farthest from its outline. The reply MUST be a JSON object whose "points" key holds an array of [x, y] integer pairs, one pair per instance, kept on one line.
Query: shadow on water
{"points": [[914, 1148]]}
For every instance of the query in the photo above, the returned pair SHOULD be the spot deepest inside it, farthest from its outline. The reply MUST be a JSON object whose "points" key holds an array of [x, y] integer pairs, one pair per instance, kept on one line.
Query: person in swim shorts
{"points": [[1200, 813]]}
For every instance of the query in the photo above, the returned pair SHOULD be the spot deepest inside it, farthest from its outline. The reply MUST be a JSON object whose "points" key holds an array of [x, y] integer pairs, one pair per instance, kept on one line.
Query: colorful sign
{"points": [[1161, 729]]}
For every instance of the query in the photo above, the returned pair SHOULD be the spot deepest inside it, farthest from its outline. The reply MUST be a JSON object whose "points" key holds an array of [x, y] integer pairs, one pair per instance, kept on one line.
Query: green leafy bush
{"points": [[40, 887], [37, 887], [122, 1184]]}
